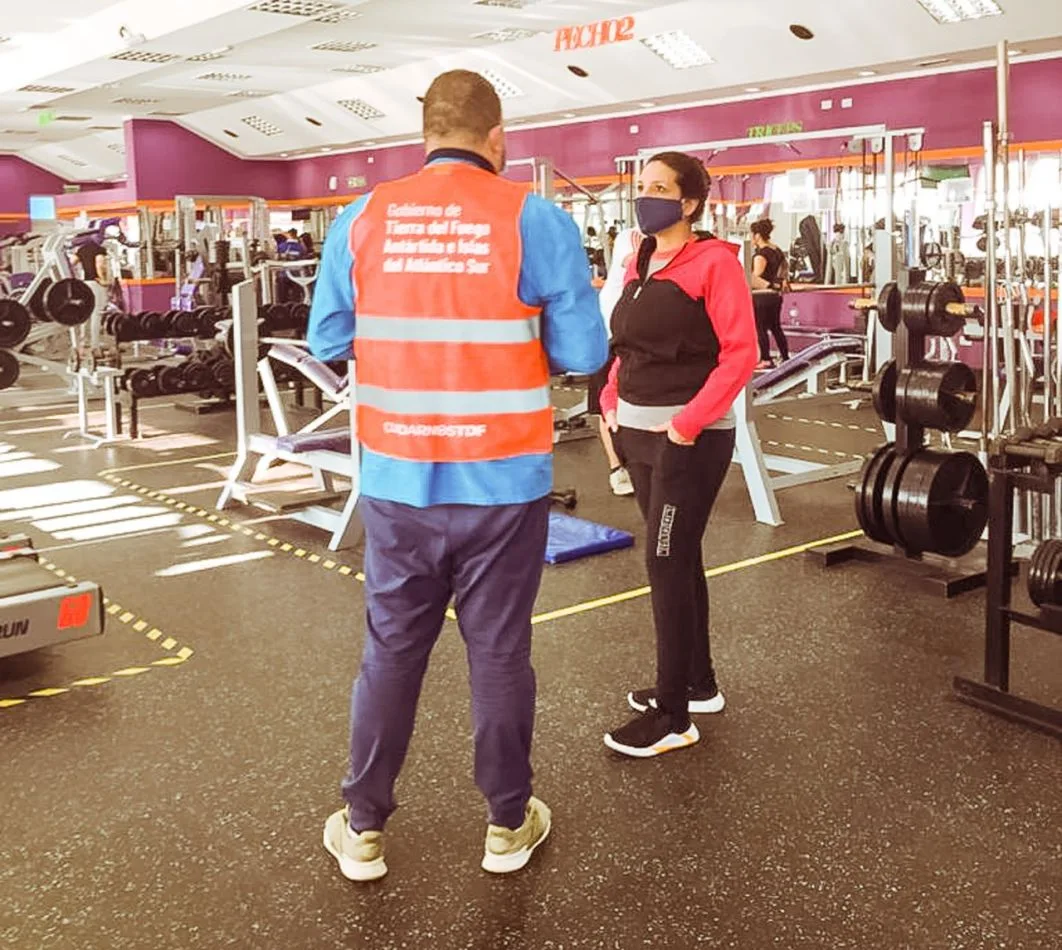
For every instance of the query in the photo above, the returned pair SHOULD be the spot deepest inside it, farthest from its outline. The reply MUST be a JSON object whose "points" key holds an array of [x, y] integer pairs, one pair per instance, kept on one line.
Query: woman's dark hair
{"points": [[693, 179], [764, 228]]}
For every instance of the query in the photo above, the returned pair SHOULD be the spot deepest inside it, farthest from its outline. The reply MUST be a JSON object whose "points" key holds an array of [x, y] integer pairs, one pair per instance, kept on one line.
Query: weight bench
{"points": [[327, 452], [806, 368]]}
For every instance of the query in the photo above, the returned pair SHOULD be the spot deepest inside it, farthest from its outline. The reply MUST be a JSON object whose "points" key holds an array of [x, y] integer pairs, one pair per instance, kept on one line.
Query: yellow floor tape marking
{"points": [[451, 613], [213, 518], [185, 653], [126, 617], [11, 703], [329, 565], [45, 693], [714, 572], [346, 571], [314, 559], [360, 577], [300, 553], [170, 661], [154, 634], [224, 522], [169, 644], [107, 472], [114, 609], [93, 681], [257, 537], [129, 671], [181, 505], [140, 626], [286, 547], [273, 542]]}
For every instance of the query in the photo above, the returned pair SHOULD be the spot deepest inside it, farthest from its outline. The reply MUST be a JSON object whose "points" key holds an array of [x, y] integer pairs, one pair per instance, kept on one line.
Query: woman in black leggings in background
{"points": [[769, 273], [685, 343]]}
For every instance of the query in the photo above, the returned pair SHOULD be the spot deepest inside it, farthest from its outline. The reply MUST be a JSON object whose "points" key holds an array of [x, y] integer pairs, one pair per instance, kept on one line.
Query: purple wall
{"points": [[951, 107], [18, 180], [164, 160]]}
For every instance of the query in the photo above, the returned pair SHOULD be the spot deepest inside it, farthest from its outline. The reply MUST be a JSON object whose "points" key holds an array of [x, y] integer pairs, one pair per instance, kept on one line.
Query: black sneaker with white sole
{"points": [[652, 733], [700, 703]]}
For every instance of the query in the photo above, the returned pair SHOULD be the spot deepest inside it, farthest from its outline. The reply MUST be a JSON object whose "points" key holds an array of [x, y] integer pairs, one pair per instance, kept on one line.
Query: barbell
{"points": [[887, 305]]}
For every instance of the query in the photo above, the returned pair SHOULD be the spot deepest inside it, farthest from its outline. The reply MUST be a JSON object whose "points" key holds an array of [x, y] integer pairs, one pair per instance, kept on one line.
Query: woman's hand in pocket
{"points": [[674, 435], [610, 421]]}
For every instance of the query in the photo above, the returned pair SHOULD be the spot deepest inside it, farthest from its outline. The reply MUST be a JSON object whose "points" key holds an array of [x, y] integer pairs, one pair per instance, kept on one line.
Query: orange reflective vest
{"points": [[450, 364]]}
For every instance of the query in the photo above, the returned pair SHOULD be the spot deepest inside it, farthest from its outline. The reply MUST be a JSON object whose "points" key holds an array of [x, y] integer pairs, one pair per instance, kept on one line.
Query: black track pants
{"points": [[768, 307], [676, 487]]}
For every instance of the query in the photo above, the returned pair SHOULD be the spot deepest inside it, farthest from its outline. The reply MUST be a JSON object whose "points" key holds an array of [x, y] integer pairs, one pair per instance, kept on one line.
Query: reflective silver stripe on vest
{"points": [[404, 402], [446, 330]]}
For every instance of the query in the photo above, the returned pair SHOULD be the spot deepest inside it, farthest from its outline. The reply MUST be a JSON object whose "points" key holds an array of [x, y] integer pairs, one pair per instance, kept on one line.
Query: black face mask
{"points": [[657, 214]]}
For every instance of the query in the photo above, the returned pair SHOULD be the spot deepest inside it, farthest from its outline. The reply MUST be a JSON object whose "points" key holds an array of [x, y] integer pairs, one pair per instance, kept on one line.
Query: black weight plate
{"points": [[15, 323], [1052, 582], [197, 377], [153, 325], [143, 384], [171, 379], [225, 374], [889, 496], [1043, 573], [885, 392], [932, 255], [868, 508], [942, 323], [943, 503], [300, 316], [913, 308], [186, 323], [937, 396], [9, 369], [36, 302], [70, 302], [890, 306], [274, 318]]}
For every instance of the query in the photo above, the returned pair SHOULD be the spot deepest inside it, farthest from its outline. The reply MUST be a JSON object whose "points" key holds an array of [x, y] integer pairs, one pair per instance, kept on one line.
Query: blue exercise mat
{"points": [[572, 538]]}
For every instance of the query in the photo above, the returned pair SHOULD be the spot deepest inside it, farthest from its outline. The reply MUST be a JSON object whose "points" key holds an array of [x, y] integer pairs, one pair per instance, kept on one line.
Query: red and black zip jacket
{"points": [[685, 335]]}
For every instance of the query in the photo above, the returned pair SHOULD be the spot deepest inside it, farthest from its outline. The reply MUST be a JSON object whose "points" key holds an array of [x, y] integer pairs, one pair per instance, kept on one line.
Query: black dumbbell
{"points": [[186, 323], [224, 370], [153, 325], [198, 376], [171, 379], [143, 383], [300, 317]]}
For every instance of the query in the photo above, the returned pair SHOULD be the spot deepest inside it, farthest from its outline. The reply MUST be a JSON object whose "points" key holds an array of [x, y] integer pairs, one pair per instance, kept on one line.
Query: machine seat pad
{"points": [[326, 440]]}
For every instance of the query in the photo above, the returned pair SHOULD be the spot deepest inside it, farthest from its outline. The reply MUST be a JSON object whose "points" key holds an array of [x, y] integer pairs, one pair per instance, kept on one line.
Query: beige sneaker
{"points": [[360, 857], [507, 850]]}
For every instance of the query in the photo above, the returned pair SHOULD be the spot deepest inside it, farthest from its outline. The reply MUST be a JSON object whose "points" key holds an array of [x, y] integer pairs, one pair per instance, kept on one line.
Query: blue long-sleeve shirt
{"points": [[553, 276]]}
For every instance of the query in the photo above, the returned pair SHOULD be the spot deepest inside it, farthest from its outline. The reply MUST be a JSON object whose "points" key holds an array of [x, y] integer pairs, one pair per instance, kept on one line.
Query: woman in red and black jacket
{"points": [[685, 341]]}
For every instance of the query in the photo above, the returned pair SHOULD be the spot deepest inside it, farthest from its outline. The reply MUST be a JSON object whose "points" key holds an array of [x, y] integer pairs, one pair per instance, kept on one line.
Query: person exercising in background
{"points": [[770, 274], [624, 249], [454, 352]]}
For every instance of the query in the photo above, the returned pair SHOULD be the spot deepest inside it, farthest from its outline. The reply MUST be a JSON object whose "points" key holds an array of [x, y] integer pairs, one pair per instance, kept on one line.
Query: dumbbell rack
{"points": [[948, 577], [1033, 465]]}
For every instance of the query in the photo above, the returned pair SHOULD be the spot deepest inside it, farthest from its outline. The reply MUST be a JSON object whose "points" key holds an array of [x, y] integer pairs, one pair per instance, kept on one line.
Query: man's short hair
{"points": [[461, 104]]}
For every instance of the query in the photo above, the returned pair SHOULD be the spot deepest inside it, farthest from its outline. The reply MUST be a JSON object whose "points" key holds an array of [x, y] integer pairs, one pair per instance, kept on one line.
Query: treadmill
{"points": [[37, 608]]}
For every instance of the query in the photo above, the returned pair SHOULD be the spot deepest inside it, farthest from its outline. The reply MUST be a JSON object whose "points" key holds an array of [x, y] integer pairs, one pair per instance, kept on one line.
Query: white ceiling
{"points": [[272, 80]]}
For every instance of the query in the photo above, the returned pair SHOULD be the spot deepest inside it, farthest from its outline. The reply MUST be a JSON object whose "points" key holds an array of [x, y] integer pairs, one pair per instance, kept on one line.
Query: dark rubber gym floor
{"points": [[843, 800]]}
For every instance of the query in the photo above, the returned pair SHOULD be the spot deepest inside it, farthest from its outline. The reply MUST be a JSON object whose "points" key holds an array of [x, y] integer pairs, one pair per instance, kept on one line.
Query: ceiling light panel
{"points": [[51, 90], [145, 56], [264, 126], [361, 109], [223, 77], [360, 69], [955, 11], [339, 16], [303, 8], [343, 46], [504, 88], [507, 4], [510, 35], [678, 49]]}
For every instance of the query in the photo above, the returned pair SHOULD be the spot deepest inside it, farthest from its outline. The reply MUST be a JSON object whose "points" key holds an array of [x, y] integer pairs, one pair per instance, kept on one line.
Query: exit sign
{"points": [[570, 38], [782, 128]]}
